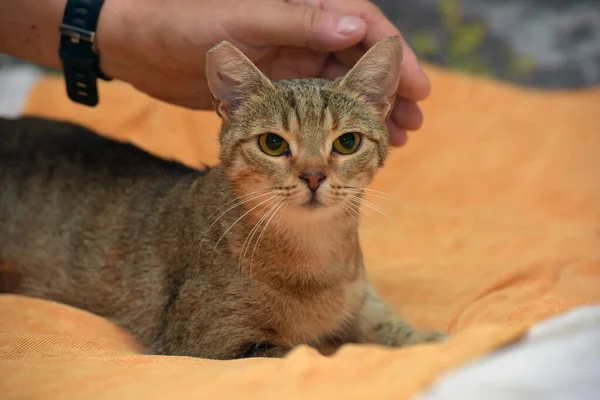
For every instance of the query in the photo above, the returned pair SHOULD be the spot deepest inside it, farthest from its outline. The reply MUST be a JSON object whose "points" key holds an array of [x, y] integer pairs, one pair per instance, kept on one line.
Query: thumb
{"points": [[285, 24]]}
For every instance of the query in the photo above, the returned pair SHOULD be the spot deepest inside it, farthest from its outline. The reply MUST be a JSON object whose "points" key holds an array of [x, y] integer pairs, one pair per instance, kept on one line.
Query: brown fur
{"points": [[237, 261]]}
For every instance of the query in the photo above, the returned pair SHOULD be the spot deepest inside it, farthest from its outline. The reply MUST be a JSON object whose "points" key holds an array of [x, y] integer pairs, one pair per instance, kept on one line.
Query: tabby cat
{"points": [[249, 258]]}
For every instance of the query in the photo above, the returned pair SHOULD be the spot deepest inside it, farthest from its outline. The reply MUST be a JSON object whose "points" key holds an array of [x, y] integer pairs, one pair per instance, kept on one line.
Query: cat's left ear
{"points": [[377, 73], [232, 78]]}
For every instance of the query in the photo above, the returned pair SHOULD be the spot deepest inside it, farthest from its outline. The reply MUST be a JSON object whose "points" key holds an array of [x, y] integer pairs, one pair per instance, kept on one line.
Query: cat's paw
{"points": [[262, 350], [425, 336], [402, 334]]}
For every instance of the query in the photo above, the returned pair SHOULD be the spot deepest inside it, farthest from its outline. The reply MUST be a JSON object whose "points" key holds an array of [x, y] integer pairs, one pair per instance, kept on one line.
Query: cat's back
{"points": [[56, 174], [30, 142]]}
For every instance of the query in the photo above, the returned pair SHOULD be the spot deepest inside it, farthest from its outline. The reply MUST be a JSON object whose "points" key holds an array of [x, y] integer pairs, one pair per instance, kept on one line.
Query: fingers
{"points": [[414, 83], [276, 23], [407, 114], [350, 56], [333, 69], [398, 136]]}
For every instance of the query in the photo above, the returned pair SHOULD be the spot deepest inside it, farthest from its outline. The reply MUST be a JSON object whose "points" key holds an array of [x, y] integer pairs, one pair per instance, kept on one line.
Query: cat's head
{"points": [[311, 143]]}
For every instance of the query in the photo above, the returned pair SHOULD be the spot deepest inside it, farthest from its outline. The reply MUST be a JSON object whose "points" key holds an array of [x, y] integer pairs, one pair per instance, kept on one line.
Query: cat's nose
{"points": [[313, 178]]}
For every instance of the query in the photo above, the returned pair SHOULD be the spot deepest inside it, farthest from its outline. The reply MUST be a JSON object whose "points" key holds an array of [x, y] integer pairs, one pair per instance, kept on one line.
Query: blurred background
{"points": [[536, 43]]}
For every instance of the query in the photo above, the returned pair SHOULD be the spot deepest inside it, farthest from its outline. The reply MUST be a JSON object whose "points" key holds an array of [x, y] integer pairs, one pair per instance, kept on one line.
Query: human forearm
{"points": [[29, 29]]}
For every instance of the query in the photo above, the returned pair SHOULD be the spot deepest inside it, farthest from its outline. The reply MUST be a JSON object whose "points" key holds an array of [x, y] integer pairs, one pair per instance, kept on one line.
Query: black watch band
{"points": [[81, 64]]}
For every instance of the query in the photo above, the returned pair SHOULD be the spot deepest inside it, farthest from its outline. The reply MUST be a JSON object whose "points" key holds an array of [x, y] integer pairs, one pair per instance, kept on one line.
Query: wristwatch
{"points": [[78, 53]]}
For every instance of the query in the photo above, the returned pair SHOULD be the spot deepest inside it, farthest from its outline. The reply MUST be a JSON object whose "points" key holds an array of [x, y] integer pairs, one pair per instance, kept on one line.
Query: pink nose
{"points": [[313, 178]]}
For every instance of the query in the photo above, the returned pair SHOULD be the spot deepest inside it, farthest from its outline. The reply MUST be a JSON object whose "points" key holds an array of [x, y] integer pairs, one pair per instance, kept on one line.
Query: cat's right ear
{"points": [[232, 78]]}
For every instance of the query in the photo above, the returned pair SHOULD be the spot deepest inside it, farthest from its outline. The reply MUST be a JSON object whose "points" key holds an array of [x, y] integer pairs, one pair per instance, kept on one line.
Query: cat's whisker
{"points": [[377, 191], [239, 203], [378, 209], [376, 196], [248, 241], [366, 189], [279, 206], [374, 207], [234, 223], [350, 213], [374, 193], [354, 208], [356, 204], [352, 216], [238, 199]]}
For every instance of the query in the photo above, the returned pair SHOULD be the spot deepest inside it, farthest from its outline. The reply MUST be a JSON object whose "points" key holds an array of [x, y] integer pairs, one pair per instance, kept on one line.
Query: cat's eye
{"points": [[272, 144], [347, 143]]}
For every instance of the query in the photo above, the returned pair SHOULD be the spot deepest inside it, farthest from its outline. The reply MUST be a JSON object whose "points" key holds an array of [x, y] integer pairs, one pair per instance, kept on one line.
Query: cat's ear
{"points": [[377, 73], [232, 77]]}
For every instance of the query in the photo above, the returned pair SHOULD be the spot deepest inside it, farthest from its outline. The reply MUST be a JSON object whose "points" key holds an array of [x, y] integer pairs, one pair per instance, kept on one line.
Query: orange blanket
{"points": [[498, 227]]}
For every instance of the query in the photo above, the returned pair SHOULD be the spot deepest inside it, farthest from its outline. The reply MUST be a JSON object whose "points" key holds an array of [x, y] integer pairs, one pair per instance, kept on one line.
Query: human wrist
{"points": [[120, 38], [111, 37], [30, 30]]}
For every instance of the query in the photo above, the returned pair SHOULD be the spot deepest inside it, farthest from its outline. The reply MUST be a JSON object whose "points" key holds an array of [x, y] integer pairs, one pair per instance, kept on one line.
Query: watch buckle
{"points": [[78, 34]]}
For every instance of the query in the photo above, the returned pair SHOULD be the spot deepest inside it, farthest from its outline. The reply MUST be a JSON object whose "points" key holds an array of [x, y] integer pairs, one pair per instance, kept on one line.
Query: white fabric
{"points": [[15, 84], [559, 359]]}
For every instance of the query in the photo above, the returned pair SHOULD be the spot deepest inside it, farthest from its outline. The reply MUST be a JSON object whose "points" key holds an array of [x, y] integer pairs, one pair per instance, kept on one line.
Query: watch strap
{"points": [[78, 50]]}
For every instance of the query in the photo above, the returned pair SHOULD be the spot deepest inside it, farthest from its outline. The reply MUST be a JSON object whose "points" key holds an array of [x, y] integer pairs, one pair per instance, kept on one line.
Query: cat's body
{"points": [[73, 244], [198, 262]]}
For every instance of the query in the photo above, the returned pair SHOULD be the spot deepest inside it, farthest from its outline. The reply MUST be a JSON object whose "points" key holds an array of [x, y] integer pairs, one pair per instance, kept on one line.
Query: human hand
{"points": [[161, 51]]}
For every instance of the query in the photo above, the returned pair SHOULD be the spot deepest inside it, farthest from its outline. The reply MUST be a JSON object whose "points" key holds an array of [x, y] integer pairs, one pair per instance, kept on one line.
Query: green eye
{"points": [[272, 144], [347, 143]]}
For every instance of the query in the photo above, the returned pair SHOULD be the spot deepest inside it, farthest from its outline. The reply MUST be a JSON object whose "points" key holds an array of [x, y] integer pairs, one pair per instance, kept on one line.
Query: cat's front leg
{"points": [[378, 323]]}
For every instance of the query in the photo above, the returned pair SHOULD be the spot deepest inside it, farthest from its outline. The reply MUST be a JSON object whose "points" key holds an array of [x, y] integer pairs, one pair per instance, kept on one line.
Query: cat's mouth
{"points": [[313, 203]]}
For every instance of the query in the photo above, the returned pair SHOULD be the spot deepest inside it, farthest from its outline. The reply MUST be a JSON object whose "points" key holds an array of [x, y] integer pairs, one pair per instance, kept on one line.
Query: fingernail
{"points": [[348, 24]]}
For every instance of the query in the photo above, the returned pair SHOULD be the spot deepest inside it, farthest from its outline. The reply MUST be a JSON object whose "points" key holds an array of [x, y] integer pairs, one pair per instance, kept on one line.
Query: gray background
{"points": [[537, 43]]}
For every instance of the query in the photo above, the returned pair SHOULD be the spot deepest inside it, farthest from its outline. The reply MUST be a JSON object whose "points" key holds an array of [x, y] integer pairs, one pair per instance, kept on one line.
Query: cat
{"points": [[246, 259]]}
